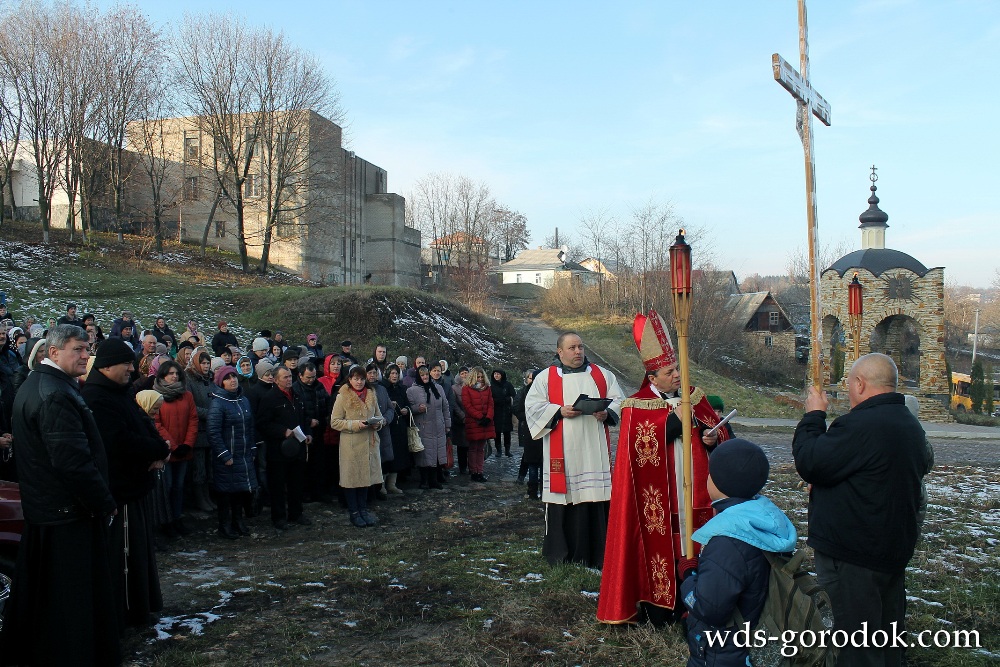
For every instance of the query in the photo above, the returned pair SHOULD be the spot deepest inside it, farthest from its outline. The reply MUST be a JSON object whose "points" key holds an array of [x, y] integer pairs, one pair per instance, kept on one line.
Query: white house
{"points": [[543, 267]]}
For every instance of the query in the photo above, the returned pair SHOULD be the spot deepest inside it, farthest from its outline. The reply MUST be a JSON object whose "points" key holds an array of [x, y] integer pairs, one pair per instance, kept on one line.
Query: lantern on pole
{"points": [[680, 284], [855, 311]]}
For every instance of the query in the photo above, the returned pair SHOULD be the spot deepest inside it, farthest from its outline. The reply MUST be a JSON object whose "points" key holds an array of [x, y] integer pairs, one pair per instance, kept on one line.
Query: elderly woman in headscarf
{"points": [[433, 416], [401, 460], [199, 380], [356, 415]]}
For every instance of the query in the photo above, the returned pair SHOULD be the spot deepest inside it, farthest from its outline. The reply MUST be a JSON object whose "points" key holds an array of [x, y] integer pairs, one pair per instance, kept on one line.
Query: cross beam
{"points": [[809, 103]]}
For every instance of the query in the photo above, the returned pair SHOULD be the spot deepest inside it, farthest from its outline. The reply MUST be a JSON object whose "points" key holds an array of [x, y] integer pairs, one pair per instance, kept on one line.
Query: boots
{"points": [[532, 493], [225, 518], [432, 478], [238, 524], [390, 484], [201, 498], [423, 478], [442, 474]]}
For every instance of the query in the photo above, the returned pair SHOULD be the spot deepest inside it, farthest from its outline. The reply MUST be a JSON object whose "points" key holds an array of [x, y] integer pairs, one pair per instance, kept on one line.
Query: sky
{"points": [[569, 109]]}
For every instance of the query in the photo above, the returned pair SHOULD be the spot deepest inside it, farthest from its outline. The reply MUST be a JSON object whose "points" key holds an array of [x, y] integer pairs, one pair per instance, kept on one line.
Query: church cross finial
{"points": [[874, 176]]}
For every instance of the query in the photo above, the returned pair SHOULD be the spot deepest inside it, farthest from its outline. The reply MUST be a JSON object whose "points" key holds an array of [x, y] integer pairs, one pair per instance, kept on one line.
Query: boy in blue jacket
{"points": [[732, 572]]}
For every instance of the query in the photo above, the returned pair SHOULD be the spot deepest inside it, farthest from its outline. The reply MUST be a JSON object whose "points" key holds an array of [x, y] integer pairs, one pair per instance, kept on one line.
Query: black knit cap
{"points": [[113, 351], [739, 468]]}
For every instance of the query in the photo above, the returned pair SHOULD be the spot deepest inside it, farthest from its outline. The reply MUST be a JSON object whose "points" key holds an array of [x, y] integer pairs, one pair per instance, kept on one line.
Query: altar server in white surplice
{"points": [[576, 466]]}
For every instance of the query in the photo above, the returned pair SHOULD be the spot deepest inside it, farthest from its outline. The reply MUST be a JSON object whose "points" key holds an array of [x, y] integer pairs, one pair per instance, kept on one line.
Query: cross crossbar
{"points": [[800, 89]]}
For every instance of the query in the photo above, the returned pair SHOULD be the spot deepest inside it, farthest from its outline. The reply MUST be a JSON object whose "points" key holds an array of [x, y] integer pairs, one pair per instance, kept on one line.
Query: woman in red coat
{"points": [[178, 421], [477, 399]]}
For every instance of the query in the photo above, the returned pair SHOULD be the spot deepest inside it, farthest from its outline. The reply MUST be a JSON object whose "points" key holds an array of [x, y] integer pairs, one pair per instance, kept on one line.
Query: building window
{"points": [[518, 278], [191, 149], [772, 320], [220, 229], [252, 186], [191, 188], [768, 341], [538, 279], [283, 226]]}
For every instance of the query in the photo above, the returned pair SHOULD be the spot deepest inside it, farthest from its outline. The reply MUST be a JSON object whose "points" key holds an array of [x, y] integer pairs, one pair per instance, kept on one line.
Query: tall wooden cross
{"points": [[809, 103]]}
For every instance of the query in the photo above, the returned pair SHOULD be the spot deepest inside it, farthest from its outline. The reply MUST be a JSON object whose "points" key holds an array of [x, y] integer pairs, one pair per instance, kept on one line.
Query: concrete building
{"points": [[336, 221]]}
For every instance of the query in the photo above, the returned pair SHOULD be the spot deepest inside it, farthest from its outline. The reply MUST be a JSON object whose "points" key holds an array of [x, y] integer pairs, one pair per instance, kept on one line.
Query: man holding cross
{"points": [[576, 466]]}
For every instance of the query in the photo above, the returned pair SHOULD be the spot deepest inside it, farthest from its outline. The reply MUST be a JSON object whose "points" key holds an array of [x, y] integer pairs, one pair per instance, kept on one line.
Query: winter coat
{"points": [[733, 573], [384, 433], [222, 340], [317, 404], [62, 465], [434, 423], [256, 393], [532, 448], [276, 413], [179, 419], [130, 439], [478, 405], [232, 437], [360, 463], [865, 472], [201, 388], [165, 332], [503, 401], [401, 457]]}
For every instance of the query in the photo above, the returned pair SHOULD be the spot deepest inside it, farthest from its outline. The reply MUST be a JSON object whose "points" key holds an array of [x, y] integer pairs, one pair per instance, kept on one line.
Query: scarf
{"points": [[429, 386], [171, 391], [363, 394]]}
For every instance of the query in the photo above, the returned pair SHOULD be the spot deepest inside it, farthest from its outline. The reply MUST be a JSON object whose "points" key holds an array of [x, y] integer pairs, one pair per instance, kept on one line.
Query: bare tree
{"points": [[37, 35], [11, 113], [596, 227], [510, 231]]}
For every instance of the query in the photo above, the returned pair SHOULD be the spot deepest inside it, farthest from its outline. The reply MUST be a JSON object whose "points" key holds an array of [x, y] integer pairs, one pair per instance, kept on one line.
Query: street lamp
{"points": [[680, 288], [855, 311]]}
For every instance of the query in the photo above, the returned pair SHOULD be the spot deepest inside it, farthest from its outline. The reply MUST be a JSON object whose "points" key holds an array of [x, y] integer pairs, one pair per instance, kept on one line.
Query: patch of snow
{"points": [[590, 595], [314, 584]]}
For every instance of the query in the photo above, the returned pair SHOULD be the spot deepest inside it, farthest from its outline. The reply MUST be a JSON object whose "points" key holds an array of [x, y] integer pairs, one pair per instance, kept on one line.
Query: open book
{"points": [[589, 406]]}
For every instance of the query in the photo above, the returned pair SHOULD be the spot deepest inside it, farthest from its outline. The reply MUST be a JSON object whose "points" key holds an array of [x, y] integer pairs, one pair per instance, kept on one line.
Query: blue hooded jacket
{"points": [[732, 573]]}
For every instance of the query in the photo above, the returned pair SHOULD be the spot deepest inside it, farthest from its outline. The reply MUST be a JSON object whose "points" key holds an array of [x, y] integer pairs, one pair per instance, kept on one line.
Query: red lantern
{"points": [[855, 303], [680, 265]]}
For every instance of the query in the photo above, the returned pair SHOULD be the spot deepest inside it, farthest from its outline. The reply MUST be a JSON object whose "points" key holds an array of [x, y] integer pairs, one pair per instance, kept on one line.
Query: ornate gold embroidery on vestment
{"points": [[663, 572], [645, 444], [652, 510]]}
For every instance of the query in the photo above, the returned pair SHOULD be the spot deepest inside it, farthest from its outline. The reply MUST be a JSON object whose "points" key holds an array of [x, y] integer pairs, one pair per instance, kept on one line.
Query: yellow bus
{"points": [[960, 399]]}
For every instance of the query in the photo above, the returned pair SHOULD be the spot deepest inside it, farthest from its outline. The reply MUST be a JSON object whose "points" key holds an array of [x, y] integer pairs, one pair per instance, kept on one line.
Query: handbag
{"points": [[291, 448], [413, 437]]}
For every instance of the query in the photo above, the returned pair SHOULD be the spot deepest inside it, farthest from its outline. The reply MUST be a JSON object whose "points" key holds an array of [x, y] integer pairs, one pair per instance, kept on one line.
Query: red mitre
{"points": [[653, 341]]}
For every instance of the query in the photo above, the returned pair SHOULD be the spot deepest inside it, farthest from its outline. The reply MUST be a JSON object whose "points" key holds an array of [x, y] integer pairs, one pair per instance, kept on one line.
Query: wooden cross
{"points": [[810, 103]]}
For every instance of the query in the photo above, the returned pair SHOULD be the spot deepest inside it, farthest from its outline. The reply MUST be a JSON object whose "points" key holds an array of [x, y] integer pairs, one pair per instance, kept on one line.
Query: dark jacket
{"points": [[201, 389], [532, 448], [116, 331], [257, 391], [865, 473], [61, 463], [733, 573], [317, 404], [275, 414], [221, 341], [130, 437], [166, 331], [231, 436], [503, 401]]}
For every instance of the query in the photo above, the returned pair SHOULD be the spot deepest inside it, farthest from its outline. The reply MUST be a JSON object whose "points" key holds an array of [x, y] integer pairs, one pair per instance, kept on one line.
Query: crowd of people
{"points": [[197, 422], [111, 438]]}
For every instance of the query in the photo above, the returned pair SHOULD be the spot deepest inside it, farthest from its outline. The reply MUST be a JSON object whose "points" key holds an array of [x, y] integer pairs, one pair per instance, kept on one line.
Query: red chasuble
{"points": [[644, 535]]}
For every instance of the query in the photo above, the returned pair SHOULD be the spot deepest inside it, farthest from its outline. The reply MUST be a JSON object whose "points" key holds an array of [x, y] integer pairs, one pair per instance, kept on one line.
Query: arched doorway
{"points": [[899, 337], [836, 351]]}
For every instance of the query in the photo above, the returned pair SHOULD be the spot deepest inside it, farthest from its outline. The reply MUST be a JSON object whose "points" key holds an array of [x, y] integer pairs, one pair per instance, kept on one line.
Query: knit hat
{"points": [[223, 372], [716, 402], [161, 348], [217, 363], [113, 351], [185, 343], [36, 331], [263, 367], [402, 361], [260, 344], [290, 353], [738, 468], [147, 398]]}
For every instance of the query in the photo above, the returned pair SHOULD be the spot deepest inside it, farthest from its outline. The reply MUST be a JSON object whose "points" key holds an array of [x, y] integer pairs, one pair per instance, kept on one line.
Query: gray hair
{"points": [[62, 334]]}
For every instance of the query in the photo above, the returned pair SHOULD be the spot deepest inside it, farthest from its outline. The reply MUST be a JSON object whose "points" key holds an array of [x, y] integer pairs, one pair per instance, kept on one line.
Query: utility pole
{"points": [[975, 338]]}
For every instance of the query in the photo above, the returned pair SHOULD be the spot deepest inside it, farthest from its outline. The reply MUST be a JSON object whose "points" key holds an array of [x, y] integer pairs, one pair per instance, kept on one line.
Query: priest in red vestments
{"points": [[646, 524]]}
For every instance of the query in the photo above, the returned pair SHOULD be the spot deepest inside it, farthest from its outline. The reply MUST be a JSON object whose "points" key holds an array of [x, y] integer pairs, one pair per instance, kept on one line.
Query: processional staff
{"points": [[680, 283]]}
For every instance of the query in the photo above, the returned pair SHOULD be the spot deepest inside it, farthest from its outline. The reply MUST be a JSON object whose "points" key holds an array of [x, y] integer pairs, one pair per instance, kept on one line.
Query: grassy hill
{"points": [[105, 278]]}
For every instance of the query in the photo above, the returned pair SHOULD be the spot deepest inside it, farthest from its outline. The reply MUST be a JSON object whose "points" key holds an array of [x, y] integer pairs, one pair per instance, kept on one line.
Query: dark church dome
{"points": [[877, 261]]}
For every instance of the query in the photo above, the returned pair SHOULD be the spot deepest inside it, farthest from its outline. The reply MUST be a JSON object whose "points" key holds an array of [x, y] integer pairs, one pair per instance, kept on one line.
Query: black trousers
{"points": [[859, 595], [286, 483], [506, 441]]}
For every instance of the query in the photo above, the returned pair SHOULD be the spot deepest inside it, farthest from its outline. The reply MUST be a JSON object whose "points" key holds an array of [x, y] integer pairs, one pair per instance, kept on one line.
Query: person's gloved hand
{"points": [[674, 427], [484, 421], [686, 567], [181, 450]]}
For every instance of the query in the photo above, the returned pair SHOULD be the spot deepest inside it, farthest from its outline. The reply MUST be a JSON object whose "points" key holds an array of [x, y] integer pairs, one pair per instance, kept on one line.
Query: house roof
{"points": [[745, 306], [540, 259]]}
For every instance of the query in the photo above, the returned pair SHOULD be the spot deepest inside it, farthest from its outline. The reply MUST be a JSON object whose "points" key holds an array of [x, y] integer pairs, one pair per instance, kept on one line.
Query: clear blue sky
{"points": [[564, 108]]}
